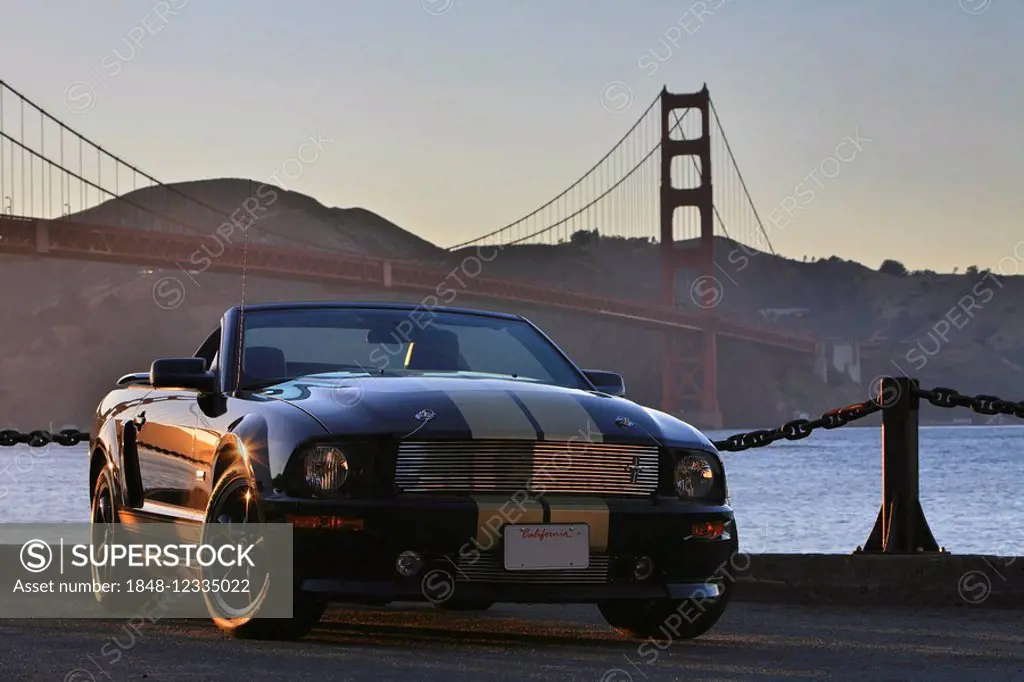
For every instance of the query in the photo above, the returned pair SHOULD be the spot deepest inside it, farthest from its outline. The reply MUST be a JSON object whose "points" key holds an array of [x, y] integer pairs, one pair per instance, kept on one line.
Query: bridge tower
{"points": [[689, 361]]}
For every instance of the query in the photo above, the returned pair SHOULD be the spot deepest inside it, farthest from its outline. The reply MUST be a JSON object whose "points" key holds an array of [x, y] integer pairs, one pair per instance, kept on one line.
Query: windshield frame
{"points": [[233, 325]]}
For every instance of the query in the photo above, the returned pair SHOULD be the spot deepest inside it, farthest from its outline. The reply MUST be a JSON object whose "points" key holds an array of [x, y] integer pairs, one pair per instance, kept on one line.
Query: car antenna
{"points": [[241, 307]]}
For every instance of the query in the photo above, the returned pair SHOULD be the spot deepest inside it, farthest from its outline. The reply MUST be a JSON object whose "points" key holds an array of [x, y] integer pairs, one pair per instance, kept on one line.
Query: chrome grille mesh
{"points": [[510, 465], [490, 568]]}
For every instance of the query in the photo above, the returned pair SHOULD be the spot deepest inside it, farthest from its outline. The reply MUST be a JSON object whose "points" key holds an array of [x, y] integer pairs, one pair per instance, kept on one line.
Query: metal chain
{"points": [[798, 428], [801, 428], [793, 430], [982, 404], [37, 439]]}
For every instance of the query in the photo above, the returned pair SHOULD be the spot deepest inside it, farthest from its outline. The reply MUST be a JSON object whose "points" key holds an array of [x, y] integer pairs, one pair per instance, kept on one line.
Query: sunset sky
{"points": [[452, 117]]}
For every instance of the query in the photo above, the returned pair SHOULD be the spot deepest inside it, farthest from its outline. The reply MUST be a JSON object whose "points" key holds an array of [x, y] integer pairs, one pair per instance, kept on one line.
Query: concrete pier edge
{"points": [[933, 579]]}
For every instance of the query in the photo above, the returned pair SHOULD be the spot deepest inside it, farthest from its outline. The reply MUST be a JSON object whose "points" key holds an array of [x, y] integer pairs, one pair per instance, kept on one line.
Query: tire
{"points": [[232, 501], [457, 604], [650, 619], [105, 528]]}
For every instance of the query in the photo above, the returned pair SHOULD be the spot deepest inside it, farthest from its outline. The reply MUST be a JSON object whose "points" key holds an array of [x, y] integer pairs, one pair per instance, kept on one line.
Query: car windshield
{"points": [[284, 344]]}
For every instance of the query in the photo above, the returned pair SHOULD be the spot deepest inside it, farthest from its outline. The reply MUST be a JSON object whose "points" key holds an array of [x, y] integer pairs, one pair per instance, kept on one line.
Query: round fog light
{"points": [[643, 568], [408, 564]]}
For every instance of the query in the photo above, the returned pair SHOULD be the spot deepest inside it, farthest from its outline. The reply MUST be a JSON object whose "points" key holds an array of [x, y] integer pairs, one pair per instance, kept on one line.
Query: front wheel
{"points": [[233, 502], [670, 618], [665, 618], [105, 531]]}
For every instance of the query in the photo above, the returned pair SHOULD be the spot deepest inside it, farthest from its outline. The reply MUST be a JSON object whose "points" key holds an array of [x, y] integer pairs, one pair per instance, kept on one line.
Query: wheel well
{"points": [[225, 458], [96, 465]]}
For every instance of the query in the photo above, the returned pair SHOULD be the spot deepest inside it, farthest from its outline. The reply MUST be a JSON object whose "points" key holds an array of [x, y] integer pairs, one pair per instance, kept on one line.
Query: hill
{"points": [[71, 328], [285, 218]]}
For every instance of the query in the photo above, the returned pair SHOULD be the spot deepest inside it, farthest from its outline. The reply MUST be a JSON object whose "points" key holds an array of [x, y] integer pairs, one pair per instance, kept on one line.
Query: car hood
{"points": [[446, 406]]}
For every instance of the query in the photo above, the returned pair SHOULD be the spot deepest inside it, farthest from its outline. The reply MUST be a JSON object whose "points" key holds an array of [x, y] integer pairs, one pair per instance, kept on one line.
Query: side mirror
{"points": [[606, 382], [135, 378], [182, 373]]}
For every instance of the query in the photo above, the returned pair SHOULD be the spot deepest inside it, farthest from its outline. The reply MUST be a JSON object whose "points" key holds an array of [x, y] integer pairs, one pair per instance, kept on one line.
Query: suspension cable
{"points": [[739, 173], [136, 170], [567, 190], [603, 194]]}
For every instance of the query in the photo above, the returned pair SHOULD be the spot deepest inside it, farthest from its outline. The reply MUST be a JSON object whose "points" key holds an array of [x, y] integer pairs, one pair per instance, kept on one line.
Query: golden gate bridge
{"points": [[672, 179]]}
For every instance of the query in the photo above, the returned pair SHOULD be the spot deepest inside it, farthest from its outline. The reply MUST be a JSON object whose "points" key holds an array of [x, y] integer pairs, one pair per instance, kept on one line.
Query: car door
{"points": [[208, 431], [125, 405], [165, 435], [174, 474]]}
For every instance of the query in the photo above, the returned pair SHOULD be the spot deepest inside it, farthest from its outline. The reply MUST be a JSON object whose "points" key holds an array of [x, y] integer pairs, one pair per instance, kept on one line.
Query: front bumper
{"points": [[461, 542], [441, 587]]}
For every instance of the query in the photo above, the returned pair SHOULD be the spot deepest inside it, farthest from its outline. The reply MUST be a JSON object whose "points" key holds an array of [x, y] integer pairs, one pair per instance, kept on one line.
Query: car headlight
{"points": [[694, 477], [325, 470]]}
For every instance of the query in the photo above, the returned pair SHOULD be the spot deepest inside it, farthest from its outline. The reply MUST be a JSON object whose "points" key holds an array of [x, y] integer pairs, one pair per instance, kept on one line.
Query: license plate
{"points": [[537, 548]]}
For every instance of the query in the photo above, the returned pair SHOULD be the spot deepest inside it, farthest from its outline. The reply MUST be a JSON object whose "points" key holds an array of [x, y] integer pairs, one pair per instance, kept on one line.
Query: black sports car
{"points": [[438, 454]]}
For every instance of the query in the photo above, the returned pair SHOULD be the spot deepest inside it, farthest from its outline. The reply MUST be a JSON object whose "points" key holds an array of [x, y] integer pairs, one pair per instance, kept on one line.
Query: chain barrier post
{"points": [[901, 527]]}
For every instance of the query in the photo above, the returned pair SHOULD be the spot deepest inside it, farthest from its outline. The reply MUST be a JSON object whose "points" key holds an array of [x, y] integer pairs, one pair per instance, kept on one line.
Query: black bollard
{"points": [[901, 527]]}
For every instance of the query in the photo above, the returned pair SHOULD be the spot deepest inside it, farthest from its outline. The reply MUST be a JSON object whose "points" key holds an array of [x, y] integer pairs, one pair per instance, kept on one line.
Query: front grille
{"points": [[511, 465], [490, 568]]}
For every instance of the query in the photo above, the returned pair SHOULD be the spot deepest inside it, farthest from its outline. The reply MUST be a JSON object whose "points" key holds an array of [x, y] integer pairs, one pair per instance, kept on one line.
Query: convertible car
{"points": [[442, 454]]}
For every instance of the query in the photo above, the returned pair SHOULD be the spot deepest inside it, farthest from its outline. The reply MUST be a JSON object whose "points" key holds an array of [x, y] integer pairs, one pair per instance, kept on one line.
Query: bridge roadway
{"points": [[74, 240], [516, 643]]}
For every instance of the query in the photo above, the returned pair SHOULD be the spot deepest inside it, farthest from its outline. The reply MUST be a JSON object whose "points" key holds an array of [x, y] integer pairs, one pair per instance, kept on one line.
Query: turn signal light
{"points": [[711, 530], [325, 522]]}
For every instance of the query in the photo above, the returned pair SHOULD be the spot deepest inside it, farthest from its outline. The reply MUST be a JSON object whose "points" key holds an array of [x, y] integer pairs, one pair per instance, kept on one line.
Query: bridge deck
{"points": [[515, 643], [74, 240]]}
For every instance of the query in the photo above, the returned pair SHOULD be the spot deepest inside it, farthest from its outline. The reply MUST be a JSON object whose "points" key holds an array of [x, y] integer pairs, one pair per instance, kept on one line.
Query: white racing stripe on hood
{"points": [[493, 414], [561, 417]]}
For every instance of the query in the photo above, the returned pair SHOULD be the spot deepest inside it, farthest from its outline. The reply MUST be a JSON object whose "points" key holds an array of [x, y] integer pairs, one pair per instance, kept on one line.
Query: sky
{"points": [[453, 117]]}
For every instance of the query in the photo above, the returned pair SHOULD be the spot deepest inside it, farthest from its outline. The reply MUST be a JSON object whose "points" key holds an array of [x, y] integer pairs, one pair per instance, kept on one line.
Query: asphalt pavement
{"points": [[513, 642]]}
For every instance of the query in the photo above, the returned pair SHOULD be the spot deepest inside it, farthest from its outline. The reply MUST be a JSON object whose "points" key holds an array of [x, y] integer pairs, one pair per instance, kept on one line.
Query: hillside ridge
{"points": [[959, 330]]}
